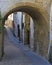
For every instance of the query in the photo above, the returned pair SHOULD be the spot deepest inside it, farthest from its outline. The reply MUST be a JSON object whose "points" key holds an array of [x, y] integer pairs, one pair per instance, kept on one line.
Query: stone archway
{"points": [[41, 21]]}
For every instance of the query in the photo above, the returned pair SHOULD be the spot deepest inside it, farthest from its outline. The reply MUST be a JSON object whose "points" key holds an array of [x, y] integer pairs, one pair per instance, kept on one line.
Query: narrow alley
{"points": [[16, 54], [25, 32]]}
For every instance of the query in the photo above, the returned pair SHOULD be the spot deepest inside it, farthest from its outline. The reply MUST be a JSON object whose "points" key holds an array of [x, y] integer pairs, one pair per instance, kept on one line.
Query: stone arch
{"points": [[41, 21]]}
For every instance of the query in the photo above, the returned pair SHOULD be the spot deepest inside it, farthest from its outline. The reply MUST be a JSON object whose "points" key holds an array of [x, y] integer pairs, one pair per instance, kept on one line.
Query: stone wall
{"points": [[45, 4], [41, 39], [26, 28], [39, 10]]}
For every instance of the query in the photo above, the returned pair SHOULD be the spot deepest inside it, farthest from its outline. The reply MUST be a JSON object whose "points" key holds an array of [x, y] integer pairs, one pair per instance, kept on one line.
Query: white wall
{"points": [[15, 23], [31, 34], [23, 28], [18, 20], [19, 16]]}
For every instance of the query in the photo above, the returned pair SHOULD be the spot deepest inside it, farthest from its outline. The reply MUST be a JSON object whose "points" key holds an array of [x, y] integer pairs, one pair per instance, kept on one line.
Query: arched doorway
{"points": [[41, 25]]}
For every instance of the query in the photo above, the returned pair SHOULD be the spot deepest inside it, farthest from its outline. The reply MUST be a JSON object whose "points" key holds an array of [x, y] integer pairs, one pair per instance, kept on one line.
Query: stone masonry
{"points": [[40, 12]]}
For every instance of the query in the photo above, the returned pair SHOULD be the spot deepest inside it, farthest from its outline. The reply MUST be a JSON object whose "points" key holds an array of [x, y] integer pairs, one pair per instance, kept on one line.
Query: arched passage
{"points": [[41, 24]]}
